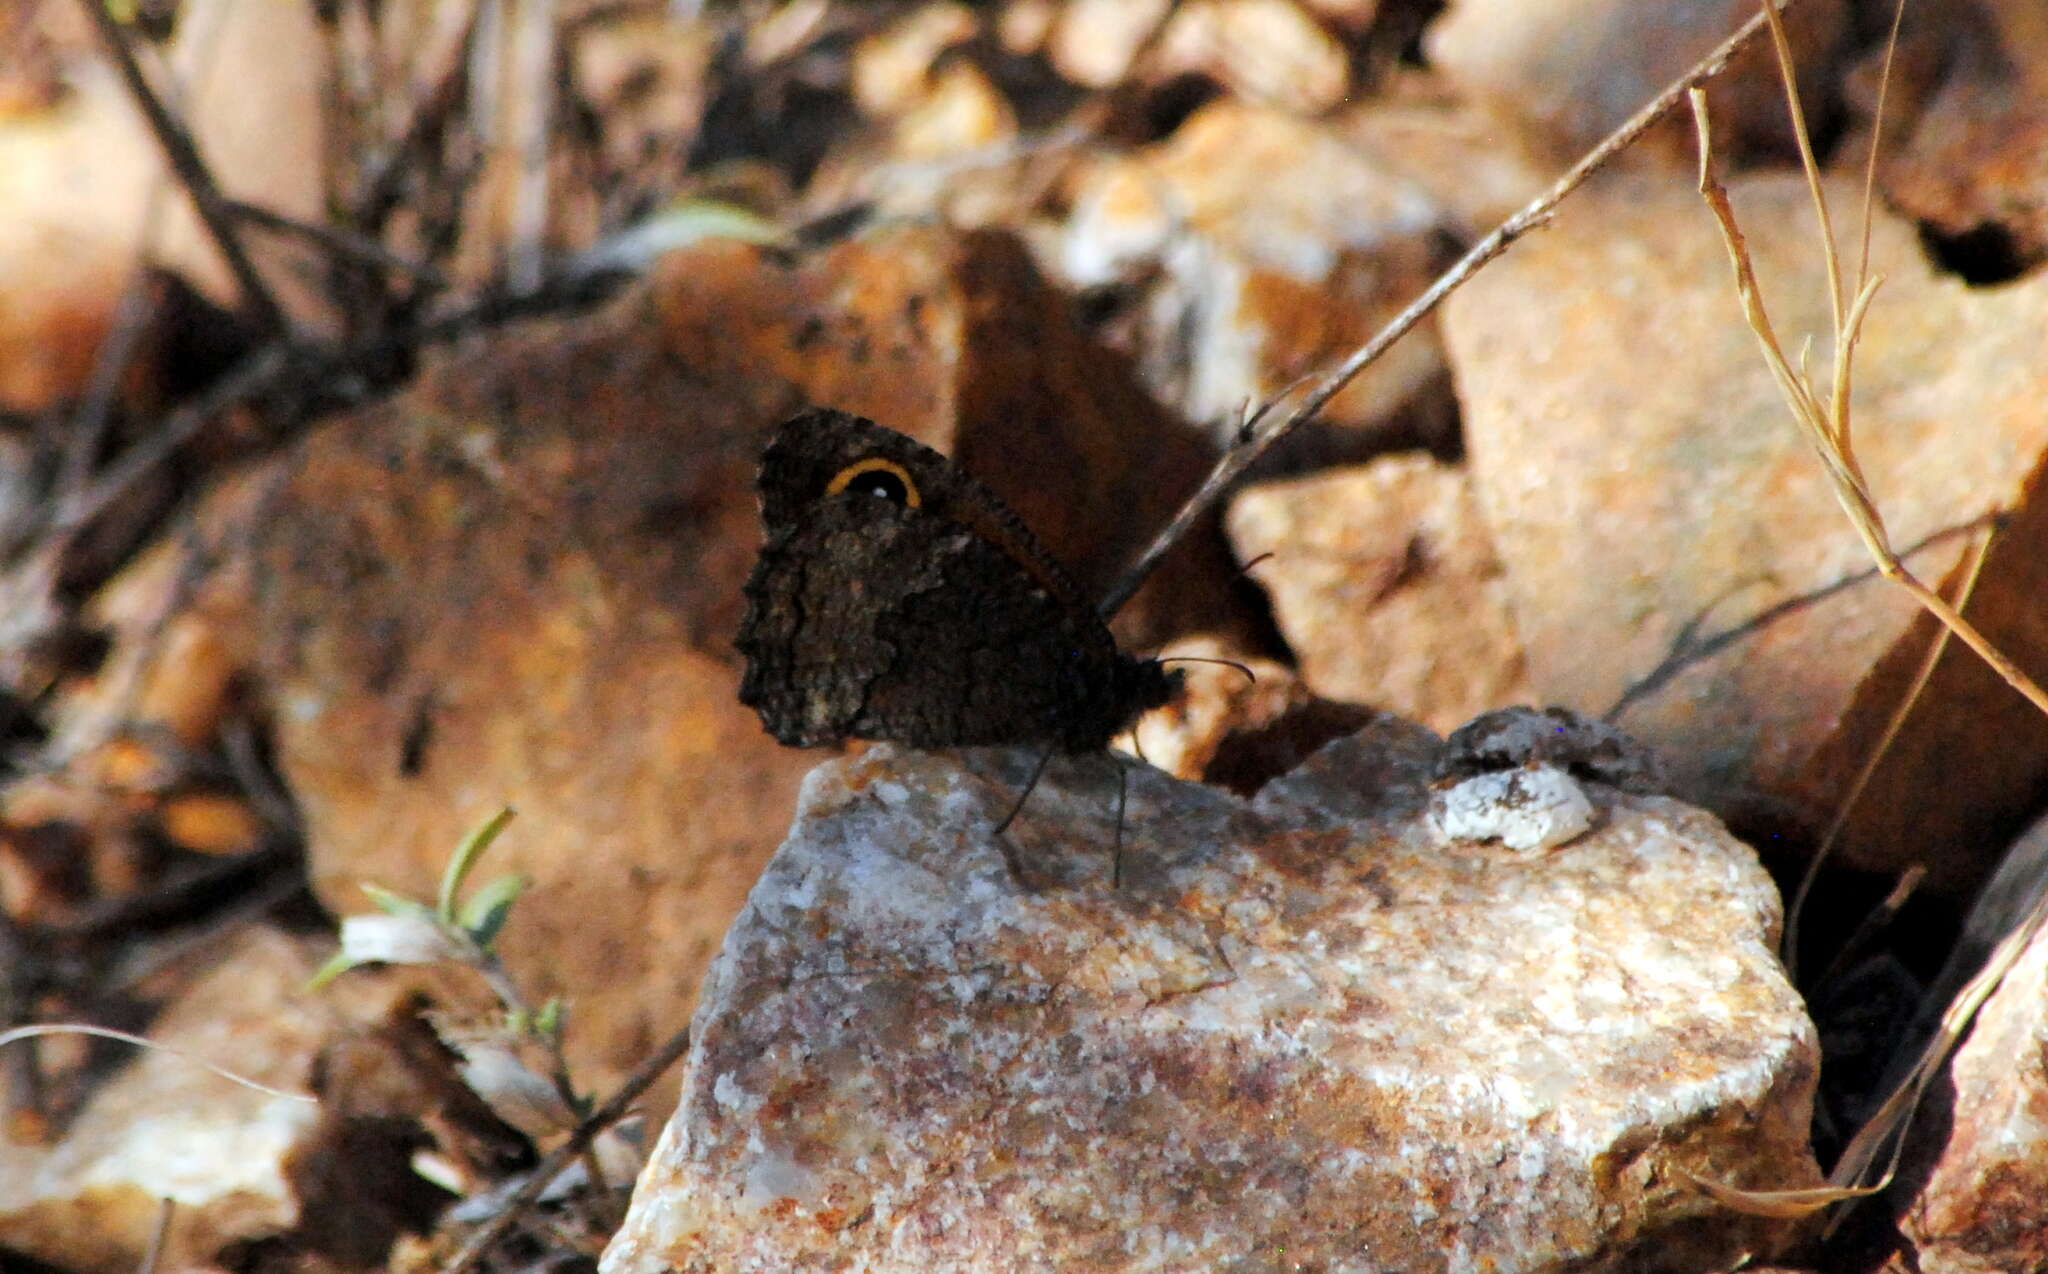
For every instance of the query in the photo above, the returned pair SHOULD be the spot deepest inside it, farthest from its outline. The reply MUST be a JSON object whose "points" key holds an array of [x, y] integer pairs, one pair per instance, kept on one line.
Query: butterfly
{"points": [[897, 599]]}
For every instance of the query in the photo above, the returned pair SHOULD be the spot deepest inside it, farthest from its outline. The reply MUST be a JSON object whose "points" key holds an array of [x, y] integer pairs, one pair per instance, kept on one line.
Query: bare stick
{"points": [[579, 1141], [1255, 440], [256, 374], [341, 243], [185, 160]]}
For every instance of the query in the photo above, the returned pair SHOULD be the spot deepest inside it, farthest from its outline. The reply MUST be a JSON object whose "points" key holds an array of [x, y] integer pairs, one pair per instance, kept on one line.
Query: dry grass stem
{"points": [[577, 1145], [1889, 1123], [1789, 950], [1826, 422], [78, 1028], [184, 159]]}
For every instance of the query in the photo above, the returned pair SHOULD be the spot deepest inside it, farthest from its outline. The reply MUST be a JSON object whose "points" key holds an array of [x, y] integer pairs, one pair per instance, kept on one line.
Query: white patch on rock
{"points": [[1532, 809]]}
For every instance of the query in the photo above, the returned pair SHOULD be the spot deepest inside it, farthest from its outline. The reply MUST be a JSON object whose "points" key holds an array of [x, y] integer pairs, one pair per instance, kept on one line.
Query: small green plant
{"points": [[464, 931]]}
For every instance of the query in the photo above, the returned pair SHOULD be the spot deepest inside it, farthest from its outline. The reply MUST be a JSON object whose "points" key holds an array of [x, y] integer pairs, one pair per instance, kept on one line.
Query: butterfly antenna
{"points": [[1246, 569], [1030, 785], [1249, 675]]}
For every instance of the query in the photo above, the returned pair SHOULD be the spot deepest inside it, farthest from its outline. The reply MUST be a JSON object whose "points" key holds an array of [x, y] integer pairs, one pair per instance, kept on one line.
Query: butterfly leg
{"points": [[1010, 859], [1030, 784], [1123, 793]]}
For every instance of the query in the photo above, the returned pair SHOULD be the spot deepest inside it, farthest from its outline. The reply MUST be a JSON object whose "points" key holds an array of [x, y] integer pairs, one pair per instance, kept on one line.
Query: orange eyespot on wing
{"points": [[874, 476]]}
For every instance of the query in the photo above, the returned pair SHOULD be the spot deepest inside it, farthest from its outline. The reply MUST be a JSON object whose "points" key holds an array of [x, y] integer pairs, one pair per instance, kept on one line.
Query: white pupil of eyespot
{"points": [[882, 485]]}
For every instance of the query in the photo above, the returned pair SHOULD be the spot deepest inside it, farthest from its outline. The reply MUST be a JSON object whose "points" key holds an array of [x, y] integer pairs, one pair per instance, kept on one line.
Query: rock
{"points": [[1235, 732], [1536, 808], [1307, 1024], [1252, 248], [1973, 163], [1675, 558], [1585, 746], [76, 183], [1509, 776], [1265, 51], [1583, 66], [1385, 583], [165, 1127], [518, 583], [1478, 161], [2008, 895], [1982, 1205]]}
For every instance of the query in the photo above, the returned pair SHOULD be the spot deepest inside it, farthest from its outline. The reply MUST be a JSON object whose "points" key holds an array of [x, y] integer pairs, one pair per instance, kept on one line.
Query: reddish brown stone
{"points": [[1972, 165], [1256, 248], [1583, 66]]}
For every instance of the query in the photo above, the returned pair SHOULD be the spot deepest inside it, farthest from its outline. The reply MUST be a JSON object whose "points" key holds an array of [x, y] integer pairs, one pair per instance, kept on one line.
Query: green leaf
{"points": [[396, 904], [465, 860], [548, 1021], [341, 963], [488, 909]]}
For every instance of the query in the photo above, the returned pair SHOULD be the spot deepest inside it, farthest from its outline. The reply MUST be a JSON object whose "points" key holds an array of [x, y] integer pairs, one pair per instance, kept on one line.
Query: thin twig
{"points": [[342, 243], [255, 375], [185, 160], [116, 353], [1247, 451], [1980, 550], [1893, 1118], [384, 188], [41, 1029], [559, 1158], [1875, 922]]}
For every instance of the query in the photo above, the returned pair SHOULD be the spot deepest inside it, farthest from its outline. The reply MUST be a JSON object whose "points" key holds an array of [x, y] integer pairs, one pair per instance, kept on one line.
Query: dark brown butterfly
{"points": [[898, 599]]}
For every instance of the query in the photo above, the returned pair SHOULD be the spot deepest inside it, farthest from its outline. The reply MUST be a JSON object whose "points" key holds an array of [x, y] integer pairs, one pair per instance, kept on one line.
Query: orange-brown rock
{"points": [[76, 181], [1972, 164], [1263, 50], [1583, 66], [1385, 583], [518, 583], [1239, 723], [1256, 247], [1674, 551], [165, 1127]]}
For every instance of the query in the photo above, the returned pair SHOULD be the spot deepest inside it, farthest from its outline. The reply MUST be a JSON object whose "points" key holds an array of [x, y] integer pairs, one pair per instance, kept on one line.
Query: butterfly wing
{"points": [[868, 619]]}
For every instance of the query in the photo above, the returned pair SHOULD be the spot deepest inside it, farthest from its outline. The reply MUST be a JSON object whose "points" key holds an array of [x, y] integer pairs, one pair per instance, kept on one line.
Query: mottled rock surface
{"points": [[1583, 66], [1308, 1032], [1233, 732], [1674, 551]]}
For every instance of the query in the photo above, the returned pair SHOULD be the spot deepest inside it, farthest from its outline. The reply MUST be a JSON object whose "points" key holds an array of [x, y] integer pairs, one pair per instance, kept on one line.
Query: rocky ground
{"points": [[378, 434]]}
